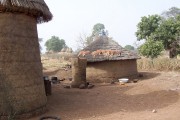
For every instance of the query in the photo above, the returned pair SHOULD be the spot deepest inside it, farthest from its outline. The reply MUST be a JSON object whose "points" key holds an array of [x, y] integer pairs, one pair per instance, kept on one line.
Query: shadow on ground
{"points": [[148, 75]]}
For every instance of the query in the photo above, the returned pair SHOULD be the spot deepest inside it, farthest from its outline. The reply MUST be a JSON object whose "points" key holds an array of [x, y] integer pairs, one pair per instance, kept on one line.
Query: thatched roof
{"points": [[103, 43], [35, 8]]}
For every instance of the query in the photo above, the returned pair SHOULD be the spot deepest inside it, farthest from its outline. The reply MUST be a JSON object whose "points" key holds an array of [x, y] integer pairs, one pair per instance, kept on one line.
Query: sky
{"points": [[72, 18]]}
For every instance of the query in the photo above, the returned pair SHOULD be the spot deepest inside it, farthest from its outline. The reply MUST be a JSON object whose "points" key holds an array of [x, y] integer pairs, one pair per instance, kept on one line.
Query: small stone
{"points": [[135, 80], [70, 79], [154, 111], [82, 86], [87, 83], [140, 75], [121, 83], [67, 86], [90, 86], [112, 82], [62, 79]]}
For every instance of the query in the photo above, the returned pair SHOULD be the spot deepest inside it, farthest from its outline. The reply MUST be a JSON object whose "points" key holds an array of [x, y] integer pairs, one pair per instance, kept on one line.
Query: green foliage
{"points": [[129, 47], [147, 26], [97, 28], [165, 28], [168, 32], [151, 49], [55, 44]]}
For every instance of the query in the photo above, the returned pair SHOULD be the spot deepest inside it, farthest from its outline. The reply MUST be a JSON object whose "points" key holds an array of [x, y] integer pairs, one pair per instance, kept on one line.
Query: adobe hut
{"points": [[107, 60], [21, 84]]}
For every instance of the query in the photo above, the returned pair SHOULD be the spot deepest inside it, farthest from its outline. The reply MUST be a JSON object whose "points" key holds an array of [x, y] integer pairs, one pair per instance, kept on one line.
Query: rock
{"points": [[62, 79], [121, 83], [93, 116], [112, 82], [140, 75], [154, 111], [82, 86], [87, 83], [67, 86], [90, 86], [70, 79], [135, 81]]}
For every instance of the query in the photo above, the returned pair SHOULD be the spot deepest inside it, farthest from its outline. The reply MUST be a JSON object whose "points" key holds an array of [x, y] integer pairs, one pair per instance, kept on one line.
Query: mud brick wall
{"points": [[107, 71], [21, 83], [78, 71]]}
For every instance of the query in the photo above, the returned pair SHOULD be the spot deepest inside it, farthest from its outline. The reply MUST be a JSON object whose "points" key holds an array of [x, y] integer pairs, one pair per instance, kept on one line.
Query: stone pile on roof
{"points": [[106, 49]]}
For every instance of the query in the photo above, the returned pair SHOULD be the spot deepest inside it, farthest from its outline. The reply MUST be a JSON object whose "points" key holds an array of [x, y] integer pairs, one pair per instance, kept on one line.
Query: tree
{"points": [[166, 32], [151, 49], [129, 47], [171, 30], [164, 28], [55, 44], [97, 29], [84, 40], [147, 26], [171, 13], [169, 33]]}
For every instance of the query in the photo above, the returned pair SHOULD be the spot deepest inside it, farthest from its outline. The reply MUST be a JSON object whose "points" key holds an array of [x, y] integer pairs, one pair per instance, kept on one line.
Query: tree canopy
{"points": [[97, 29], [129, 47], [147, 26], [165, 28], [55, 44]]}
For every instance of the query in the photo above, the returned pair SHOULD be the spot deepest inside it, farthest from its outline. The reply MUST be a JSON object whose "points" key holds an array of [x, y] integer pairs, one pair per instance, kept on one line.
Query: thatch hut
{"points": [[69, 50], [63, 50], [107, 60], [21, 84]]}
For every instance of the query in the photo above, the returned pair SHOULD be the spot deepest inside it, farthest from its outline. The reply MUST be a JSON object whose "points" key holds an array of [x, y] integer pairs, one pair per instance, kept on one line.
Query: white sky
{"points": [[120, 17]]}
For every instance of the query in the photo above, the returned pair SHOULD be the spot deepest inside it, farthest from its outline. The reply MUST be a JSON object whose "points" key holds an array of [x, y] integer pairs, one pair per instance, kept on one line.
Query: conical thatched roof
{"points": [[105, 49], [35, 8]]}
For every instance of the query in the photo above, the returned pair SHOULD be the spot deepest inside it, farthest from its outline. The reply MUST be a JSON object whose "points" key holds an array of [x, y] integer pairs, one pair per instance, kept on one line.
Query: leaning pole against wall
{"points": [[21, 82]]}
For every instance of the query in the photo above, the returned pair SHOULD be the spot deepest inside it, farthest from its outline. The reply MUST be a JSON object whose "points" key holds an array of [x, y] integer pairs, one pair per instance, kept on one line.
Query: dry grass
{"points": [[55, 61], [159, 64]]}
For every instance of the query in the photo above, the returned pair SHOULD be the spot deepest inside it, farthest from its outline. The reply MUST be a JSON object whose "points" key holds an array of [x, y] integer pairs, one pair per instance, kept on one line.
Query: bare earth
{"points": [[154, 97]]}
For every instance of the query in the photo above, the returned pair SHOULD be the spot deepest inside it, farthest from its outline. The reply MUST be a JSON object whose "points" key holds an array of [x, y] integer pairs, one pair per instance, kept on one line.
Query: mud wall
{"points": [[21, 83], [78, 72], [107, 71]]}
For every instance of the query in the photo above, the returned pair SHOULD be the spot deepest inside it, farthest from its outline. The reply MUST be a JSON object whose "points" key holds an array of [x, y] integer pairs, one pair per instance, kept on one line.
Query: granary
{"points": [[108, 61], [21, 84]]}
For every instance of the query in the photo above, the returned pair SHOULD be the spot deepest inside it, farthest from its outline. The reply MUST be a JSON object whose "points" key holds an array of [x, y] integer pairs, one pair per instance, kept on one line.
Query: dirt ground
{"points": [[154, 97]]}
